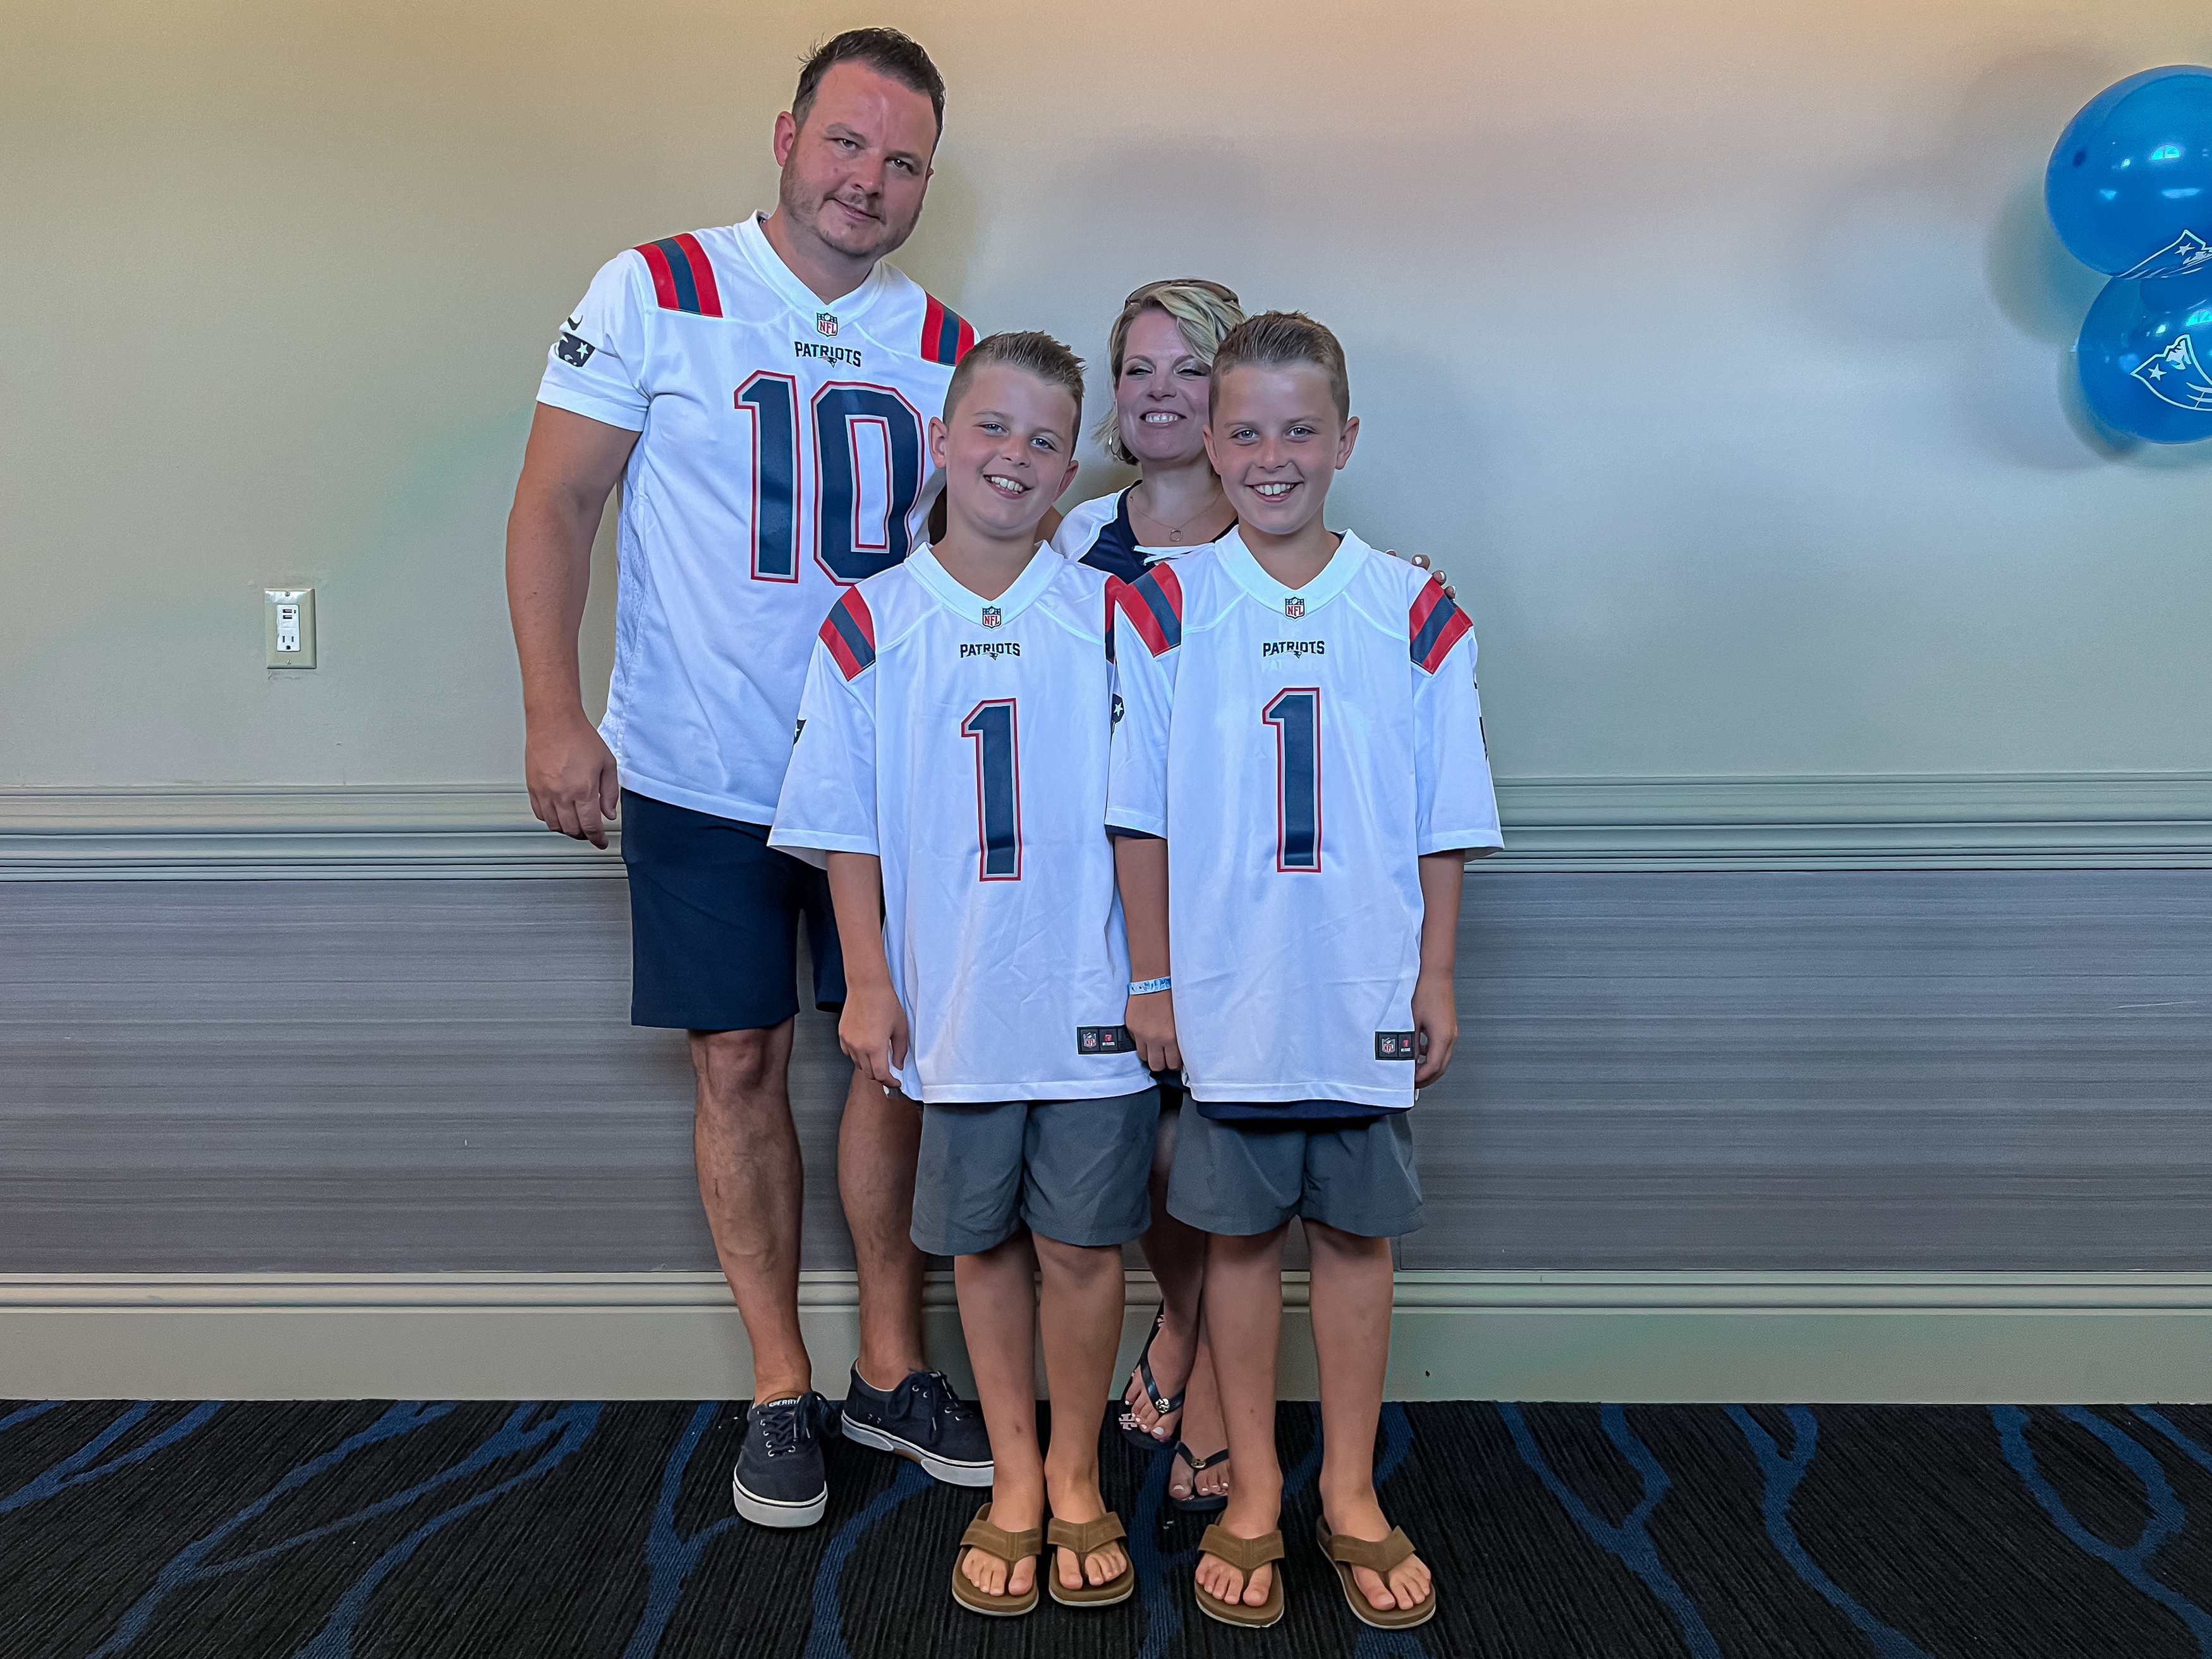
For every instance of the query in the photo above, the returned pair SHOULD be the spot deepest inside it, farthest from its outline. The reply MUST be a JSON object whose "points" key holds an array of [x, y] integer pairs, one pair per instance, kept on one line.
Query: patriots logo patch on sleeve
{"points": [[575, 349]]}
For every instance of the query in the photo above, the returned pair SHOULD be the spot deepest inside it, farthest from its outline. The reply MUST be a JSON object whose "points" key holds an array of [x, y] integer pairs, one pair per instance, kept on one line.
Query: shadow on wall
{"points": [[1953, 251]]}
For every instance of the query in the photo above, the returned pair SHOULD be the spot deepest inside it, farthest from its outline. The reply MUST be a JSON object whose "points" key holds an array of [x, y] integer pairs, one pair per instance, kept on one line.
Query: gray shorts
{"points": [[1072, 1169], [1237, 1179]]}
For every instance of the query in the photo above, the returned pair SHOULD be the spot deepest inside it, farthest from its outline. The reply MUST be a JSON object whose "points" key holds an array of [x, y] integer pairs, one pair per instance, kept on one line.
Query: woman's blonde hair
{"points": [[1203, 313]]}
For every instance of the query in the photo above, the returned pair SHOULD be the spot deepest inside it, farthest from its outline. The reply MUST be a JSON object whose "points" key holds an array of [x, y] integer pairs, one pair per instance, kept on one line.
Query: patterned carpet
{"points": [[321, 1530]]}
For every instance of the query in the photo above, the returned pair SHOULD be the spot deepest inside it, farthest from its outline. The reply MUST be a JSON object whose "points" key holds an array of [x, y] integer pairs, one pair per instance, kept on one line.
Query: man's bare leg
{"points": [[1352, 1294], [877, 1141], [1243, 1321], [752, 1185]]}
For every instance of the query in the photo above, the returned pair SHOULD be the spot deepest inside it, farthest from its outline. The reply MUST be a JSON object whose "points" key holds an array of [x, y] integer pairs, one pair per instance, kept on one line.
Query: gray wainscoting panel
{"points": [[1927, 1070]]}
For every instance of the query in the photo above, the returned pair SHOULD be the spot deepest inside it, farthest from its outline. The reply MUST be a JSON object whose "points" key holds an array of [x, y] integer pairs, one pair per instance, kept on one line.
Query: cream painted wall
{"points": [[1717, 349]]}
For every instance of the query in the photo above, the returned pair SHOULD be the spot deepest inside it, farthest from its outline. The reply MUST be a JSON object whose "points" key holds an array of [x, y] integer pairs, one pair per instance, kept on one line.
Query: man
{"points": [[762, 390]]}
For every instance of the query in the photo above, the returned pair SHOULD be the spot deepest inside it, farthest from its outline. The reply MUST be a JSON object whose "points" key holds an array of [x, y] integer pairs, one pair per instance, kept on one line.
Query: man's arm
{"points": [[1436, 1010], [1140, 865], [872, 1030], [568, 471]]}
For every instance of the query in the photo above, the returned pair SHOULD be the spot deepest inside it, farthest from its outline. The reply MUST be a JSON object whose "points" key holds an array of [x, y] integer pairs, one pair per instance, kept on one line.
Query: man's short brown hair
{"points": [[1038, 354], [1281, 339], [887, 51]]}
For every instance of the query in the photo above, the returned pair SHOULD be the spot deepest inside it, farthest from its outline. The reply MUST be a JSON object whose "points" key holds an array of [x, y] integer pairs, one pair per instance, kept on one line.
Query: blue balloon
{"points": [[2145, 356], [2130, 185]]}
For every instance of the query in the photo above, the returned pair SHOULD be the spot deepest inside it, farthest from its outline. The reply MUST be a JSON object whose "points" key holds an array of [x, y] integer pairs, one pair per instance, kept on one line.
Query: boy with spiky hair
{"points": [[951, 761], [1303, 745]]}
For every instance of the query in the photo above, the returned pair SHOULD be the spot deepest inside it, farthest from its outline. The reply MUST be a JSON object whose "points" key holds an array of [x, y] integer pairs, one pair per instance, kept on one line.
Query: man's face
{"points": [[1007, 449], [854, 175], [1275, 437]]}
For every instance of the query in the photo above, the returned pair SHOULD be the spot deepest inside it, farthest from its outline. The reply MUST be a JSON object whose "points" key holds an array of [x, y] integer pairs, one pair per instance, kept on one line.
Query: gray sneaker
{"points": [[779, 1480], [925, 1420]]}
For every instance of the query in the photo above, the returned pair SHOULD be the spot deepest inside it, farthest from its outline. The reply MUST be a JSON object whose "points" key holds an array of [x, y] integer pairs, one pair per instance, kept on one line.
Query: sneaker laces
{"points": [[788, 1425], [946, 1405]]}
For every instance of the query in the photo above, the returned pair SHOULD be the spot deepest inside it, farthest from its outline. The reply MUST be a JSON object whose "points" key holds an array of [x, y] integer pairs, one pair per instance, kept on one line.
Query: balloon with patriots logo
{"points": [[2144, 352], [2130, 182]]}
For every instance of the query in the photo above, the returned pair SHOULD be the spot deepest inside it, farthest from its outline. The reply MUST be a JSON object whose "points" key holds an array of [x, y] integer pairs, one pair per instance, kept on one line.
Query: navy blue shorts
{"points": [[714, 913]]}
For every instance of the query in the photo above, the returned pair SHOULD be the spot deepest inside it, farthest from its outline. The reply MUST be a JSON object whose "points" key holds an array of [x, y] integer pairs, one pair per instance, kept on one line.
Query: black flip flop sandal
{"points": [[1201, 1503], [1132, 1431]]}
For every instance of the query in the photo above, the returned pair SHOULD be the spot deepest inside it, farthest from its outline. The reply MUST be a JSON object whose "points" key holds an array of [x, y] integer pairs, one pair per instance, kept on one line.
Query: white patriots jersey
{"points": [[781, 459], [965, 743], [1300, 749]]}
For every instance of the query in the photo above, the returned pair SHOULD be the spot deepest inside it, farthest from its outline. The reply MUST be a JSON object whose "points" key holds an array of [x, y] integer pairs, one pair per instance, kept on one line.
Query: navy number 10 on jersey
{"points": [[865, 442]]}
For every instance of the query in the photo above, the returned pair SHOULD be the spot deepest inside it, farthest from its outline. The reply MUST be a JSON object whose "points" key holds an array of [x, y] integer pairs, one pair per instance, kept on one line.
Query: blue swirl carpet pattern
{"points": [[361, 1529]]}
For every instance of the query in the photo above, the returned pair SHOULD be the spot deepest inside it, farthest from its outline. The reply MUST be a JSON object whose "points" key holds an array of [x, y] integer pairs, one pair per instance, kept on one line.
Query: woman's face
{"points": [[1160, 399]]}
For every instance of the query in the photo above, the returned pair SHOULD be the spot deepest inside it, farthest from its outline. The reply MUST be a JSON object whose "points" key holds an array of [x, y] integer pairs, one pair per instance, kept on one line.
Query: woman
{"points": [[1160, 352]]}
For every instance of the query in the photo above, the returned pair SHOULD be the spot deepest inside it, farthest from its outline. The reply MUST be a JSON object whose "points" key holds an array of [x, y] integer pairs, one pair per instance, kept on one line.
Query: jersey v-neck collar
{"points": [[1037, 576], [768, 264], [1335, 576]]}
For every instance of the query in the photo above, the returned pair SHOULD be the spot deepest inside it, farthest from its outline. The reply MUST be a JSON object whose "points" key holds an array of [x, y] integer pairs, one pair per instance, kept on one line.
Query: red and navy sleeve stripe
{"points": [[1433, 625], [850, 632], [1113, 587], [945, 334], [1153, 604], [683, 280]]}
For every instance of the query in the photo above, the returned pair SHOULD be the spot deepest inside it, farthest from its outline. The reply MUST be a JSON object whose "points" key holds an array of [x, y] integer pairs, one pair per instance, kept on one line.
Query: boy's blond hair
{"points": [[1038, 354], [1281, 339], [1203, 312]]}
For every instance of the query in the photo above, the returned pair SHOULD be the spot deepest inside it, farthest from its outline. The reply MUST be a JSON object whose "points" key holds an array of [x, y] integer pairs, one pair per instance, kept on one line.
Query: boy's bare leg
{"points": [[1080, 1311], [1352, 1292], [997, 1314], [877, 1140], [1243, 1318], [752, 1187]]}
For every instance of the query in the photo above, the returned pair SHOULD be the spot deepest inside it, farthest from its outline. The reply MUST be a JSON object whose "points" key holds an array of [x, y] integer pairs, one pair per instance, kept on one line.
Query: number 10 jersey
{"points": [[964, 742], [781, 459]]}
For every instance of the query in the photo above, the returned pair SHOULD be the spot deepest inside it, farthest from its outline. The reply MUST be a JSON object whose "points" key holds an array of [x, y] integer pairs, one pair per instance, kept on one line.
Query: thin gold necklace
{"points": [[1174, 530]]}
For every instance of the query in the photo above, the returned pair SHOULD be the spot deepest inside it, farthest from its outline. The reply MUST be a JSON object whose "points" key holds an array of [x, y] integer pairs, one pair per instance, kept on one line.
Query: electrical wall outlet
{"points": [[288, 618]]}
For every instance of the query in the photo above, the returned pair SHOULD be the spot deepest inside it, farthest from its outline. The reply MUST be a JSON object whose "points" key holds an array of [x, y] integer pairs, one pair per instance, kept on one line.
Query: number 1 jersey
{"points": [[1300, 749], [779, 459], [965, 743]]}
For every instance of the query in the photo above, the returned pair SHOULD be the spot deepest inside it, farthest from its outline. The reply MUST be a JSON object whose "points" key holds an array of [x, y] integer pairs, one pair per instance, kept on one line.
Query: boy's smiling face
{"points": [[1008, 450], [1276, 440]]}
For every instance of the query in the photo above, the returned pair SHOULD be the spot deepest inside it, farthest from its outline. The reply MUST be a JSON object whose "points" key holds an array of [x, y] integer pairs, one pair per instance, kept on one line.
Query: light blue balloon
{"points": [[2145, 356], [2129, 185]]}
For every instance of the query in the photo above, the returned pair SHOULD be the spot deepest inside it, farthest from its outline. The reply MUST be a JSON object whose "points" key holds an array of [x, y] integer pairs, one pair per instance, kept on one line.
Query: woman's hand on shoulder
{"points": [[1420, 562]]}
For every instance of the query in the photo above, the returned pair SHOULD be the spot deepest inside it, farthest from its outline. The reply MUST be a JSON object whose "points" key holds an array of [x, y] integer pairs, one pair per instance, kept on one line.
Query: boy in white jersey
{"points": [[951, 761], [1303, 741]]}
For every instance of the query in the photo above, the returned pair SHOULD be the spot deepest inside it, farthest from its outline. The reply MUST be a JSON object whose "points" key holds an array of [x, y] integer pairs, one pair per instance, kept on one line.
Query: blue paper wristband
{"points": [[1145, 987]]}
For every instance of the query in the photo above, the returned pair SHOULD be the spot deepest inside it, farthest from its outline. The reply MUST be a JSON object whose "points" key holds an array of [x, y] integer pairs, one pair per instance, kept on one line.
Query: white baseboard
{"points": [[1969, 1338], [1992, 821]]}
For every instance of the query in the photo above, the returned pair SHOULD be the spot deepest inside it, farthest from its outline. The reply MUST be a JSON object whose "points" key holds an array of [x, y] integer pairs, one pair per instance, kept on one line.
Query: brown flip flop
{"points": [[1247, 1556], [1345, 1553], [1082, 1539], [1001, 1545]]}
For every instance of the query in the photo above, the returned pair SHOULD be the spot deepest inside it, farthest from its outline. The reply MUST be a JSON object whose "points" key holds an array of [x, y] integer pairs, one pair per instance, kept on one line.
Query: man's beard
{"points": [[855, 243]]}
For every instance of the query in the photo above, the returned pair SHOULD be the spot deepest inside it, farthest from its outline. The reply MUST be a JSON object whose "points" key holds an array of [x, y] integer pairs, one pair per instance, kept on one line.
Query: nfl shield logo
{"points": [[1294, 606], [824, 323], [991, 616]]}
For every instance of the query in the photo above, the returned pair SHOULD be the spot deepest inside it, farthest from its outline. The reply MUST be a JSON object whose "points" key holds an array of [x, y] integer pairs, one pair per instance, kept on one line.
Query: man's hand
{"points": [[571, 773], [1150, 1020], [1436, 1026], [872, 1031]]}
